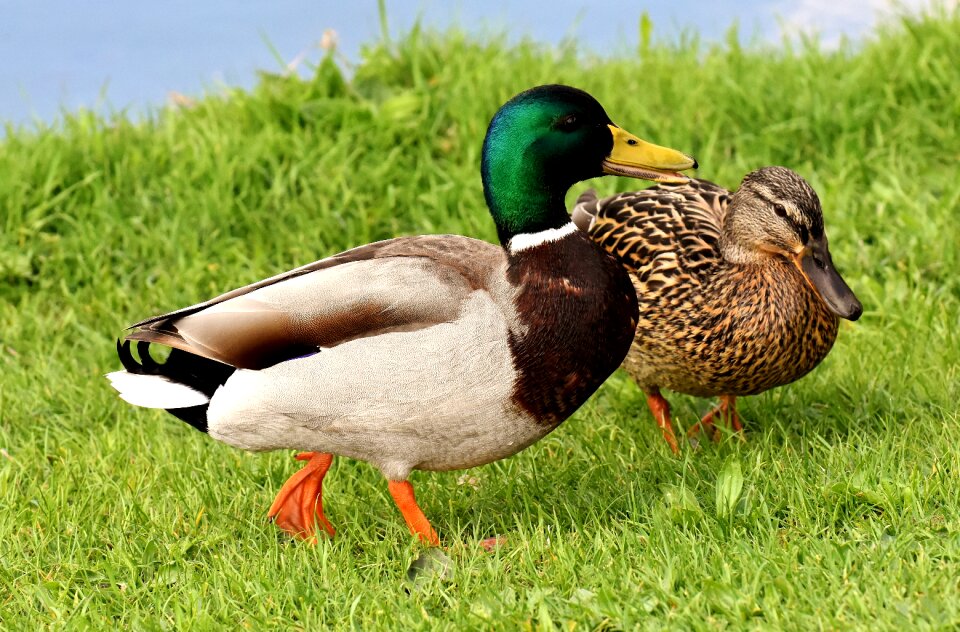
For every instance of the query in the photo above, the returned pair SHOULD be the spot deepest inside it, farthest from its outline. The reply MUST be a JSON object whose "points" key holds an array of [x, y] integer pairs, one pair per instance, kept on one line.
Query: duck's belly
{"points": [[743, 331], [749, 365], [704, 380], [438, 398]]}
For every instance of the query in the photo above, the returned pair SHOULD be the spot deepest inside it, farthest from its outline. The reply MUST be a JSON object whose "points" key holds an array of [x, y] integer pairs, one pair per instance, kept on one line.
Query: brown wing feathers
{"points": [[416, 282], [681, 222], [243, 339]]}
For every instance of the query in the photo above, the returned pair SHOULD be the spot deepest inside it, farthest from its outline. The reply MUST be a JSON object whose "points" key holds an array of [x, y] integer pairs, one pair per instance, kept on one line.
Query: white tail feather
{"points": [[154, 391]]}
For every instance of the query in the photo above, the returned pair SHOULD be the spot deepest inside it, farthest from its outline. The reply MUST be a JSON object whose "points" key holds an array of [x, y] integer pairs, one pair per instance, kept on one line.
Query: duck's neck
{"points": [[735, 252], [738, 243], [523, 199], [522, 242], [530, 221]]}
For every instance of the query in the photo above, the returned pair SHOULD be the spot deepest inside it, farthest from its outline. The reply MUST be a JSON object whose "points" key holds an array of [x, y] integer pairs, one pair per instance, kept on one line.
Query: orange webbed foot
{"points": [[705, 425], [298, 507], [727, 412], [492, 544]]}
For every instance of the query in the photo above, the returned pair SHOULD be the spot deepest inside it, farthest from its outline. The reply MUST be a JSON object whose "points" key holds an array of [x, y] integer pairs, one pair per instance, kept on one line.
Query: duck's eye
{"points": [[804, 234], [780, 210], [567, 123]]}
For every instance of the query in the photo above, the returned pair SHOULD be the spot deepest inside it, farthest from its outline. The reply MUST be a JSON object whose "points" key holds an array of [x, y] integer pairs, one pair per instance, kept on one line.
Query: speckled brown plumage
{"points": [[710, 323]]}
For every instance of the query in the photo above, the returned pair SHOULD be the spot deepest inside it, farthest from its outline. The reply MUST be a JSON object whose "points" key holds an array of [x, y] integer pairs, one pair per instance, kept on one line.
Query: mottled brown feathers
{"points": [[707, 326]]}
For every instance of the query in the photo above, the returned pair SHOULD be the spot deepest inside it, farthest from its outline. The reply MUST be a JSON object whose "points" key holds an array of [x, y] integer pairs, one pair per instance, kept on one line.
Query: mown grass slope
{"points": [[849, 511]]}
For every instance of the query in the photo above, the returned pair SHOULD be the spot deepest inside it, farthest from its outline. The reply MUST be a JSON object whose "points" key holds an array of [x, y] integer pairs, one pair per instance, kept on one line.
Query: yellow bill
{"points": [[636, 158]]}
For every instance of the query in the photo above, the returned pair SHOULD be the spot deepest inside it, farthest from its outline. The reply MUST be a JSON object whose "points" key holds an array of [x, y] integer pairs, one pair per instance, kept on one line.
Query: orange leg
{"points": [[705, 424], [726, 411], [660, 408], [402, 492], [299, 506]]}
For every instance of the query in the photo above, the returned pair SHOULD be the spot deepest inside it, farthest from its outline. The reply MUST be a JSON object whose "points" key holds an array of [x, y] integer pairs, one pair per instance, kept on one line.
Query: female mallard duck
{"points": [[737, 292], [432, 352]]}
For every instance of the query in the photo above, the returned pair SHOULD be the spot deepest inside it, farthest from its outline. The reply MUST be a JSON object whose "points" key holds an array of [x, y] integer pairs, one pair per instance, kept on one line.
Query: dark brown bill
{"points": [[817, 265]]}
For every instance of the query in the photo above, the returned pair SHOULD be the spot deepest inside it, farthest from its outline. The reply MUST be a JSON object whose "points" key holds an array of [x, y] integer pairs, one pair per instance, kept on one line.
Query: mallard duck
{"points": [[738, 293], [419, 353]]}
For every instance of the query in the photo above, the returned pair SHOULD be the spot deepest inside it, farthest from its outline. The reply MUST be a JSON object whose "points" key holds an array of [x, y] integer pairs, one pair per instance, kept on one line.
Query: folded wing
{"points": [[400, 284], [676, 223]]}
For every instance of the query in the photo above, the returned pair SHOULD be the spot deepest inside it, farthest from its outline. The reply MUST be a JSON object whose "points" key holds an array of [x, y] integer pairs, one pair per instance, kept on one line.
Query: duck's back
{"points": [[660, 233], [706, 326], [668, 236]]}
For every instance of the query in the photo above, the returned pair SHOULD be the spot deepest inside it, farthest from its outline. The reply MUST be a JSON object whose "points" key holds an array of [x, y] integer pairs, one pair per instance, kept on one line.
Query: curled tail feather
{"points": [[584, 212], [183, 385]]}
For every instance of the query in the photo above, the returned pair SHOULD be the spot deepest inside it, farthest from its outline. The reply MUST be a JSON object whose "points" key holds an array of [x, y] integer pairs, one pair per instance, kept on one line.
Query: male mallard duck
{"points": [[738, 292], [433, 352]]}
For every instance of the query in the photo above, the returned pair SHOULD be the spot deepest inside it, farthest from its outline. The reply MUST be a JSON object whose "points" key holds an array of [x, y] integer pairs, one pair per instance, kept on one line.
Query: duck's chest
{"points": [[747, 331], [577, 313]]}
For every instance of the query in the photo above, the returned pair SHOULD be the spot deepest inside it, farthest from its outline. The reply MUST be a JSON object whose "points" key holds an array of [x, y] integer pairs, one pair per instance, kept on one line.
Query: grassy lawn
{"points": [[849, 508]]}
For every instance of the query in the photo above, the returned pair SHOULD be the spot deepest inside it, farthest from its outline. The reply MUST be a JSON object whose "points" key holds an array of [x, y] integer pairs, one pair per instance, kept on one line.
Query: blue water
{"points": [[130, 55]]}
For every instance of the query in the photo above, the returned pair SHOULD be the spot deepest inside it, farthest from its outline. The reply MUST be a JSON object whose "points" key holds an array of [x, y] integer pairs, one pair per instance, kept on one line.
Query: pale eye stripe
{"points": [[793, 217]]}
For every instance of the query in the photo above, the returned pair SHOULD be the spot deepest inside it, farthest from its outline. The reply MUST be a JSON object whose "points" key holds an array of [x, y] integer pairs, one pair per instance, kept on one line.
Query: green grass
{"points": [[849, 511]]}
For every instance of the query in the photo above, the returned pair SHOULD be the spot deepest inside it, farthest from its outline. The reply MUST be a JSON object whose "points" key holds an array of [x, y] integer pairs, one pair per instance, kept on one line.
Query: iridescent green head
{"points": [[543, 141]]}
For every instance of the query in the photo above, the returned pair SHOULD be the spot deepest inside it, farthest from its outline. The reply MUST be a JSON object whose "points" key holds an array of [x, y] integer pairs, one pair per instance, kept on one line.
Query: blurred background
{"points": [[115, 55]]}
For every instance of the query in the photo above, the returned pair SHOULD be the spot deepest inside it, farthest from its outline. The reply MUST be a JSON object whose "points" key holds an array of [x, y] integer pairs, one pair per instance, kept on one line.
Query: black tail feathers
{"points": [[199, 373]]}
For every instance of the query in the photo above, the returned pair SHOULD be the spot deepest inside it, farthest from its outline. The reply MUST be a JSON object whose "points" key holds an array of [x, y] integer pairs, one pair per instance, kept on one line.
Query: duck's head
{"points": [[544, 140], [775, 212]]}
